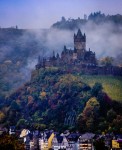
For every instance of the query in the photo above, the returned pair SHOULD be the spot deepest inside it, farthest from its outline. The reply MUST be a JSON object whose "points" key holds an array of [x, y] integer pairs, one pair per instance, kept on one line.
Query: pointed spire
{"points": [[79, 33], [53, 54], [43, 62], [57, 56], [65, 48]]}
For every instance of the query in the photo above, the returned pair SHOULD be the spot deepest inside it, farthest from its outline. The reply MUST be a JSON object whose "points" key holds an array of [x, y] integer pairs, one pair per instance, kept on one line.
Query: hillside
{"points": [[112, 85], [55, 99], [18, 54]]}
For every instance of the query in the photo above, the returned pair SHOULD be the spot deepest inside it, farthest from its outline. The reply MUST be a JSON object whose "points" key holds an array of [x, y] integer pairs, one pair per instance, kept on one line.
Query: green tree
{"points": [[96, 89], [14, 106], [89, 116], [22, 123], [111, 115], [99, 144], [2, 116]]}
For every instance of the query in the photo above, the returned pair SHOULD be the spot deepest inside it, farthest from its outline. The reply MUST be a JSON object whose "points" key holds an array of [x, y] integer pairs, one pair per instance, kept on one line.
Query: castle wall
{"points": [[79, 45], [78, 60]]}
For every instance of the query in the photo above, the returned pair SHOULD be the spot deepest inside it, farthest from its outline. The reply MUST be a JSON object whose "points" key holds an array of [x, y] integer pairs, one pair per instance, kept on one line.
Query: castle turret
{"points": [[53, 54], [43, 62], [79, 34], [65, 49], [57, 56], [80, 43]]}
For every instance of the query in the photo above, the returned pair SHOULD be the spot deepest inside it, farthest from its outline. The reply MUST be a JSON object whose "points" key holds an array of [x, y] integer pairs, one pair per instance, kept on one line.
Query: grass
{"points": [[111, 85]]}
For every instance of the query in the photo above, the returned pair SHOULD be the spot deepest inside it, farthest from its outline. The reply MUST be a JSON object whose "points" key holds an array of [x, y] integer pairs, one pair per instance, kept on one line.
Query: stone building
{"points": [[79, 55], [78, 60]]}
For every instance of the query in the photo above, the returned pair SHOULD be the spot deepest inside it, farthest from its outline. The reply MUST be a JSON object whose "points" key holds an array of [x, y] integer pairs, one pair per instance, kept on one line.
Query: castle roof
{"points": [[79, 34]]}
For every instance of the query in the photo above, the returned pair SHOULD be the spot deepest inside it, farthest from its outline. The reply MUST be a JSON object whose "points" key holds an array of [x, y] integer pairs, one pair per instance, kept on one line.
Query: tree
{"points": [[117, 124], [99, 144], [14, 106], [63, 19], [90, 115], [111, 115], [22, 123], [96, 89], [97, 17], [2, 116], [8, 142], [107, 61]]}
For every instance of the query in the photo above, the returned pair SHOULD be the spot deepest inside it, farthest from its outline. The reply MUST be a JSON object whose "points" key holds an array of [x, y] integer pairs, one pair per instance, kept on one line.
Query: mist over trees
{"points": [[96, 17]]}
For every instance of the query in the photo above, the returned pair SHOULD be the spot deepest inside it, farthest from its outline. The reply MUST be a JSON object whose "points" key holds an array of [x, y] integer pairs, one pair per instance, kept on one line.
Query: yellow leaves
{"points": [[10, 141], [42, 95], [70, 78], [92, 102], [2, 116]]}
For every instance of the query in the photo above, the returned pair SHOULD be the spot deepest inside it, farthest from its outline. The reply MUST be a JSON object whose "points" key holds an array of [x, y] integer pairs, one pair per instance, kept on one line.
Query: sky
{"points": [[43, 13]]}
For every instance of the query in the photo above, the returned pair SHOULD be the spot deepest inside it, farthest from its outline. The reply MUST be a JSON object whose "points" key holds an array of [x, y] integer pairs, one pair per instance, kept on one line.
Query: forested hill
{"points": [[19, 50], [55, 99], [96, 17]]}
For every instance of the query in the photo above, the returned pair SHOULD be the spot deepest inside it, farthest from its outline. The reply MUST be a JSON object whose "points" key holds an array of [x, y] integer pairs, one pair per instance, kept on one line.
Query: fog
{"points": [[104, 40]]}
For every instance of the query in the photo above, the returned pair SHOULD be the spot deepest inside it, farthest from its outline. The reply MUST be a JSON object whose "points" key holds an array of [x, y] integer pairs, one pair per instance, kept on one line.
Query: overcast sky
{"points": [[43, 13]]}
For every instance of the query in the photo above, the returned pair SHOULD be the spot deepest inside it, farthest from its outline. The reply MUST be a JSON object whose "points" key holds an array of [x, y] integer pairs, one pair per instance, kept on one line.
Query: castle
{"points": [[78, 56], [78, 60]]}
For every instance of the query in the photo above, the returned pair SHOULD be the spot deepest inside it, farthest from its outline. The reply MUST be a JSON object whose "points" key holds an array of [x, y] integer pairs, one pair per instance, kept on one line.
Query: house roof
{"points": [[87, 136], [73, 136], [24, 132]]}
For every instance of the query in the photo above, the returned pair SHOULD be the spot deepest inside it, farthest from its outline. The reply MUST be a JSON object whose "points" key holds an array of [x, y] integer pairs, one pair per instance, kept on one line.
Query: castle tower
{"points": [[79, 43]]}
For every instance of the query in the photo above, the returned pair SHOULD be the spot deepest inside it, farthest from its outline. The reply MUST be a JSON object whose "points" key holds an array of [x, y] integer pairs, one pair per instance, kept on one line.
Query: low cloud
{"points": [[103, 39]]}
